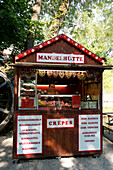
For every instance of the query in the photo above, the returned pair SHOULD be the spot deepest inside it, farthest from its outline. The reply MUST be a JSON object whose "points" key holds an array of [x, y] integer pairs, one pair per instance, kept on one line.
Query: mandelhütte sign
{"points": [[60, 58]]}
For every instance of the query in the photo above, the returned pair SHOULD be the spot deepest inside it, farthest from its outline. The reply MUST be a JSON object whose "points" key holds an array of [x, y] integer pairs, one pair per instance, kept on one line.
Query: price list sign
{"points": [[29, 134], [89, 132]]}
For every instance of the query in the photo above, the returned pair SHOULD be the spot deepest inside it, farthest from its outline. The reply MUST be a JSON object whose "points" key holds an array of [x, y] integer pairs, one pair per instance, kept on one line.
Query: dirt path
{"points": [[105, 161]]}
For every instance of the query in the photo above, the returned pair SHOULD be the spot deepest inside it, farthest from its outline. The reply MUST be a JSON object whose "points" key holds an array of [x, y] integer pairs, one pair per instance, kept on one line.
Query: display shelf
{"points": [[92, 82], [27, 90], [58, 95]]}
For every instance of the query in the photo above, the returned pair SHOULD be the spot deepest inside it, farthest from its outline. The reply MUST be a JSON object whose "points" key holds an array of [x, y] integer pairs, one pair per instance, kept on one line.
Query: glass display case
{"points": [[58, 102], [27, 92]]}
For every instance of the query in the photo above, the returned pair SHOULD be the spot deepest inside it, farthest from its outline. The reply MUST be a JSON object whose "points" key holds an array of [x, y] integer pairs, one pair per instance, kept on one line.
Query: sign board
{"points": [[89, 132], [59, 58], [29, 134], [60, 123]]}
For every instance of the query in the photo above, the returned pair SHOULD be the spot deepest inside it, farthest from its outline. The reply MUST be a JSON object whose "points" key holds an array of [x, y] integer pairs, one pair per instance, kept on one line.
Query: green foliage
{"points": [[94, 29], [88, 22], [108, 81], [15, 17]]}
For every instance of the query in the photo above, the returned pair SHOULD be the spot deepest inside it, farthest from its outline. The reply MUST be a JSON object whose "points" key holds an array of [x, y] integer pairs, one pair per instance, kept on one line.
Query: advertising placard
{"points": [[29, 134], [59, 58], [89, 132], [60, 123]]}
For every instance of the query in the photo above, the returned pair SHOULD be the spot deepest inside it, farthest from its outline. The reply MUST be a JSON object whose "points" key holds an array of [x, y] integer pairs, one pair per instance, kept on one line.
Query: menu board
{"points": [[29, 134], [89, 132]]}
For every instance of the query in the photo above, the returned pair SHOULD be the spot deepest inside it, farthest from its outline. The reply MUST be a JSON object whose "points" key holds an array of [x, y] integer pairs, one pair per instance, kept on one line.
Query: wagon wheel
{"points": [[6, 100]]}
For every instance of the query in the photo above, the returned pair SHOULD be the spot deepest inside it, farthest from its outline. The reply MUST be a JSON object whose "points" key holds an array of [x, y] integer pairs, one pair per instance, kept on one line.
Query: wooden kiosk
{"points": [[68, 120]]}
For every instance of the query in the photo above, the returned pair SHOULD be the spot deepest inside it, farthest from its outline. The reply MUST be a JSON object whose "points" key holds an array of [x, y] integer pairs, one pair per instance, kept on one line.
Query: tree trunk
{"points": [[35, 17], [59, 18]]}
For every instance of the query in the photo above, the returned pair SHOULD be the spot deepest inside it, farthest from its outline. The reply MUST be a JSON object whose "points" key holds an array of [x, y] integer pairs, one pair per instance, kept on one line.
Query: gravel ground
{"points": [[105, 161]]}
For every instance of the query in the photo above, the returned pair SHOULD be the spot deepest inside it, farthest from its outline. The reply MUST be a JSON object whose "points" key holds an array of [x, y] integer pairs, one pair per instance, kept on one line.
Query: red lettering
{"points": [[66, 122], [83, 127], [63, 122], [54, 123], [45, 57], [71, 123], [29, 148], [59, 122], [88, 132], [93, 118], [84, 123], [83, 118], [92, 122], [49, 57], [40, 57], [50, 123], [80, 58], [89, 127], [86, 135], [65, 58], [89, 140], [69, 58], [29, 130], [77, 58]]}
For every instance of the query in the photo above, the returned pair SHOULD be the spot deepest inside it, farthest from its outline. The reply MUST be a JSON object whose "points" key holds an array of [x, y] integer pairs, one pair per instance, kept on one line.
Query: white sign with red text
{"points": [[29, 134], [89, 132], [60, 123], [59, 58]]}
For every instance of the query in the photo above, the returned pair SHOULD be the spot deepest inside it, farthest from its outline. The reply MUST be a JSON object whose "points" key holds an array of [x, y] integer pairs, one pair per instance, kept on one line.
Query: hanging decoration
{"points": [[61, 74], [28, 72], [34, 71], [55, 74], [80, 76], [74, 74], [42, 73], [49, 74], [68, 74]]}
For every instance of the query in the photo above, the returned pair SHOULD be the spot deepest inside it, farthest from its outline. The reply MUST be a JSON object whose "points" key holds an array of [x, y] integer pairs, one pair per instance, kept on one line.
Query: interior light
{"points": [[47, 85], [41, 85]]}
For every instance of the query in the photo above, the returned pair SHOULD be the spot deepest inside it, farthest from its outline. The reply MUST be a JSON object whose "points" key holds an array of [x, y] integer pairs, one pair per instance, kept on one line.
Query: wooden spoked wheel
{"points": [[6, 100]]}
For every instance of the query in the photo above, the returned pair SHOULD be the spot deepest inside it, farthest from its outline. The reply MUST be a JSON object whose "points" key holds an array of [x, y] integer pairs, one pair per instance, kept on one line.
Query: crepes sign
{"points": [[60, 58]]}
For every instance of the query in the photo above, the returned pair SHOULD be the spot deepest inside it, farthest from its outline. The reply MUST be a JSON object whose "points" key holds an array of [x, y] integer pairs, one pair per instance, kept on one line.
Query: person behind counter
{"points": [[53, 92], [52, 89]]}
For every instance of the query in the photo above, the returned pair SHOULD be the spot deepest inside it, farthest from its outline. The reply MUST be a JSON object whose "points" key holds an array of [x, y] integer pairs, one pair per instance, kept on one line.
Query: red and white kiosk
{"points": [[66, 123]]}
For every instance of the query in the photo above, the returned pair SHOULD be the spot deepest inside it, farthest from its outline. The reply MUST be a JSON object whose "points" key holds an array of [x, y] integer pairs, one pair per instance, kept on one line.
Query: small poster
{"points": [[60, 123], [76, 101], [89, 132], [29, 134]]}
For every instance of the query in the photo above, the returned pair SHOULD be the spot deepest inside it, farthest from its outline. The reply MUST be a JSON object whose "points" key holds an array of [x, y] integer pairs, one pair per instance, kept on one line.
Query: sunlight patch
{"points": [[67, 162]]}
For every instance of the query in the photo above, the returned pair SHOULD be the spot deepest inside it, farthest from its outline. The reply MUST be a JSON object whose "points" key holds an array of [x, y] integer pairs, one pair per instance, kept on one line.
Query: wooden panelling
{"points": [[56, 142]]}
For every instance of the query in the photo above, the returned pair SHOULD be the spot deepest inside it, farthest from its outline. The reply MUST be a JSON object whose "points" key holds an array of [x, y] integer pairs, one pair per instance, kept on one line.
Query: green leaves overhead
{"points": [[15, 16], [88, 22]]}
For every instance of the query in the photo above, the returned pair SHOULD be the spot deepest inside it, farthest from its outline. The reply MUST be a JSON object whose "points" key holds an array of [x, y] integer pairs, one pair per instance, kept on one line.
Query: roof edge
{"points": [[55, 39]]}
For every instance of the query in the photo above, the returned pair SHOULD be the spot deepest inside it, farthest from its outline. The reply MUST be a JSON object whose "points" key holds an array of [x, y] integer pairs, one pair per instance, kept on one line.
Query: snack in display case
{"points": [[57, 101]]}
